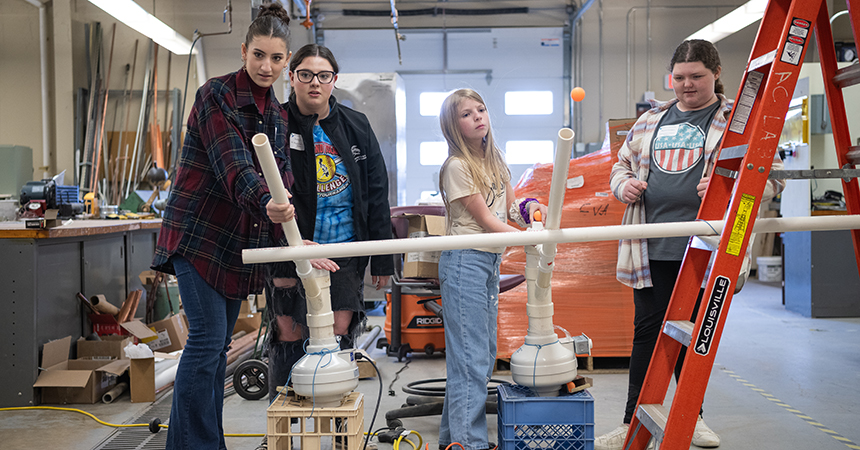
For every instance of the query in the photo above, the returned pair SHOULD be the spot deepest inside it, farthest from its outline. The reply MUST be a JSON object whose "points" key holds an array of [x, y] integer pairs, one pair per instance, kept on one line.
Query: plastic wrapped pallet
{"points": [[587, 297]]}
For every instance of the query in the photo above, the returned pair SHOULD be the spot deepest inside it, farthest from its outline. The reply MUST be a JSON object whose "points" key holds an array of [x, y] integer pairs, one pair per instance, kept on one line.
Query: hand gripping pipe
{"points": [[325, 373], [543, 363]]}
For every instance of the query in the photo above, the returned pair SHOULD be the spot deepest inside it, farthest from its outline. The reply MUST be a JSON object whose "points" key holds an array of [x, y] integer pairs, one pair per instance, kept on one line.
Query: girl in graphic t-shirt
{"points": [[476, 188], [662, 173]]}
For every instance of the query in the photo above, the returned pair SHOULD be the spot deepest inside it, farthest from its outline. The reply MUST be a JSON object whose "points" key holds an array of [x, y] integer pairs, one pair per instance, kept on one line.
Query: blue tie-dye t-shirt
{"points": [[334, 193]]}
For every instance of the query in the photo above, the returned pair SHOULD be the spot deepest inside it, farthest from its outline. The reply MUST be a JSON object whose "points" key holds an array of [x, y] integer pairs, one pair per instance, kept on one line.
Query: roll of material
{"points": [[165, 377], [114, 393], [101, 305]]}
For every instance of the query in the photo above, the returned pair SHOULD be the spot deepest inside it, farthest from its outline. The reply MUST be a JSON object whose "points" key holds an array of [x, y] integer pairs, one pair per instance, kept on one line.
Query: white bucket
{"points": [[769, 268]]}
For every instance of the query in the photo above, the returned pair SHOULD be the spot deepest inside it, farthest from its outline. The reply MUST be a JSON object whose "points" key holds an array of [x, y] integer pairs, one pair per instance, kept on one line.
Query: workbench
{"points": [[41, 271]]}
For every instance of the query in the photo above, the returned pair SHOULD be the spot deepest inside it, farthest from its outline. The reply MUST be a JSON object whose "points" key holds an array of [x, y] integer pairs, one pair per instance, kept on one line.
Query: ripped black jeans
{"points": [[346, 294]]}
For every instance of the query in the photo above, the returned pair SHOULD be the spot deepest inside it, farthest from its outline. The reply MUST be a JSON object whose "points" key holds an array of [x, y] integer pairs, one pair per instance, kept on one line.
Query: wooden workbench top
{"points": [[16, 230]]}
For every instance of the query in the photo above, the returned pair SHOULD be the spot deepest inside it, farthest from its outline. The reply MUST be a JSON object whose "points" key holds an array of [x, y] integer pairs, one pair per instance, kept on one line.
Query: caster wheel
{"points": [[249, 379], [429, 349], [395, 423], [155, 425], [402, 351]]}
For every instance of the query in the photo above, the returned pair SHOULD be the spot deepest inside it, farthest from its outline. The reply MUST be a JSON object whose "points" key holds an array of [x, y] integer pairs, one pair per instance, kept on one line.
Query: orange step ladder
{"points": [[735, 191]]}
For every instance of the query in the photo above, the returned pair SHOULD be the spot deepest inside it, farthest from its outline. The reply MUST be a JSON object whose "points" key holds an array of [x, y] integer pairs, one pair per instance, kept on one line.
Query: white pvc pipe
{"points": [[279, 196], [584, 234], [315, 283], [43, 56], [559, 178], [540, 301], [543, 363]]}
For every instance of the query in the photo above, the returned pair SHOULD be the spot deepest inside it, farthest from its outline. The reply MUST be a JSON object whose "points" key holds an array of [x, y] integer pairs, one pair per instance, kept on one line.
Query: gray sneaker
{"points": [[263, 445]]}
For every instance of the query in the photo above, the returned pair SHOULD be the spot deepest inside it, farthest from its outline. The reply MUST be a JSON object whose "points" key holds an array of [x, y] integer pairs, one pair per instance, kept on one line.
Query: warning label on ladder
{"points": [[744, 105], [742, 220], [797, 34]]}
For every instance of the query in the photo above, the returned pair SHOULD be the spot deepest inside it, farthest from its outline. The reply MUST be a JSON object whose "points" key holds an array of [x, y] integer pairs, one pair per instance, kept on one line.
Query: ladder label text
{"points": [[712, 315], [797, 34], [742, 220]]}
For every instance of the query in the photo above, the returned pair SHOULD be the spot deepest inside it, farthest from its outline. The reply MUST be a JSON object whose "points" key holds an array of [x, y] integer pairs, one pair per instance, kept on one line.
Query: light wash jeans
{"points": [[470, 306], [198, 392]]}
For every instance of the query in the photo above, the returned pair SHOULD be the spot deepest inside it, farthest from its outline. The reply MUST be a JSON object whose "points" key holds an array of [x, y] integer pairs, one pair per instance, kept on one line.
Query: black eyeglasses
{"points": [[306, 76]]}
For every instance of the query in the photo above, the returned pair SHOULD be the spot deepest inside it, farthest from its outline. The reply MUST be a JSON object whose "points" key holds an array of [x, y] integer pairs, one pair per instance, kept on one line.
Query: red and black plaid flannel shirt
{"points": [[216, 206]]}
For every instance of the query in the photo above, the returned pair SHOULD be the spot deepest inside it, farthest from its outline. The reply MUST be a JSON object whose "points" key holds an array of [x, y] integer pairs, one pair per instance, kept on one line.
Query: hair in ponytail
{"points": [[702, 51], [272, 21]]}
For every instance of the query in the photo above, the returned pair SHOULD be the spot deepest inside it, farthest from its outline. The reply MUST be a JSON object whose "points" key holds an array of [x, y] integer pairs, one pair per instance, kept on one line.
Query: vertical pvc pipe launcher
{"points": [[325, 373]]}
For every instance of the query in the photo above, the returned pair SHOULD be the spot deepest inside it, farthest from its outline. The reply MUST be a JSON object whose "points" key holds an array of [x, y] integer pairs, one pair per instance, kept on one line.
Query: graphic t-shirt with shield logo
{"points": [[677, 163]]}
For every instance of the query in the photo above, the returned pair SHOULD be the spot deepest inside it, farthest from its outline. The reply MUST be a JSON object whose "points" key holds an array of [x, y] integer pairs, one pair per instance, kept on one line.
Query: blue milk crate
{"points": [[528, 422]]}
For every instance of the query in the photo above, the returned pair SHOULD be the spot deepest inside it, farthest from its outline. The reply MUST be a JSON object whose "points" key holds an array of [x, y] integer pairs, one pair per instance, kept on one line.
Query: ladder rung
{"points": [[847, 76], [679, 330], [809, 174], [654, 418]]}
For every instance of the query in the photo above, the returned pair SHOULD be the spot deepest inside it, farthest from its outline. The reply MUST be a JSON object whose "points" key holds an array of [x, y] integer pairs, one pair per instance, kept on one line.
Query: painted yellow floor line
{"points": [[796, 412]]}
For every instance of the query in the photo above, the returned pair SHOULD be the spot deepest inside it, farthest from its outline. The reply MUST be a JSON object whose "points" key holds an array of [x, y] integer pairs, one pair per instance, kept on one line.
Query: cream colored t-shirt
{"points": [[458, 183]]}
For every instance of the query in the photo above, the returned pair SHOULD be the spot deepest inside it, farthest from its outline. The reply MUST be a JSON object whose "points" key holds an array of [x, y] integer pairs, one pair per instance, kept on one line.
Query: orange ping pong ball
{"points": [[577, 94], [537, 216]]}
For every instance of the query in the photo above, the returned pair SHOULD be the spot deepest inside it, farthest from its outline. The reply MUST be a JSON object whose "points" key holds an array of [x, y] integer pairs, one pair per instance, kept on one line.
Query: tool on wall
{"points": [[308, 23], [97, 159], [397, 36], [123, 150]]}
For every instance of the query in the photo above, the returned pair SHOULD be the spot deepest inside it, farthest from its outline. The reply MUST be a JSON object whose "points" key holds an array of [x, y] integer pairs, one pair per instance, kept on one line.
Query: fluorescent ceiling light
{"points": [[131, 14], [734, 21]]}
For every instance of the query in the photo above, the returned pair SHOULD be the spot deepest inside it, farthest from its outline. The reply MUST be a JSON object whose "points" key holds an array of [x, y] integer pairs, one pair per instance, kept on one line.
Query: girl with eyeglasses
{"points": [[340, 192], [219, 205]]}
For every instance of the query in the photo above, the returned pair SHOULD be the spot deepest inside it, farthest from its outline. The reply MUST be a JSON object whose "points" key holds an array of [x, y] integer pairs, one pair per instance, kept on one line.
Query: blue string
{"points": [[534, 367], [708, 223], [321, 353]]}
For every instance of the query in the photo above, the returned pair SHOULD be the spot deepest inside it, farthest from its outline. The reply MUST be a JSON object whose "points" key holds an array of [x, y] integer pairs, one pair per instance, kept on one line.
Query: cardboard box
{"points": [[142, 380], [365, 368], [261, 301], [248, 323], [423, 264], [110, 346], [249, 305], [616, 132], [172, 333], [75, 381]]}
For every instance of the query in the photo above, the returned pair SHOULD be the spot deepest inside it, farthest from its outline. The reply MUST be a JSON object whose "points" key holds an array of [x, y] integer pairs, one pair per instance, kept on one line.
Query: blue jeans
{"points": [[470, 306], [198, 392]]}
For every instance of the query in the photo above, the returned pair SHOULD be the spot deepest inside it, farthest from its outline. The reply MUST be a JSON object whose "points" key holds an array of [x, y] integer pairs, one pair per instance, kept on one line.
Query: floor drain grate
{"points": [[140, 438]]}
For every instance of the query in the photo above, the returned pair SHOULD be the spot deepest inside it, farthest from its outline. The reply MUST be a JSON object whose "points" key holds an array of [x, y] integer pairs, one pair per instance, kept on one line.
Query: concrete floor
{"points": [[780, 381]]}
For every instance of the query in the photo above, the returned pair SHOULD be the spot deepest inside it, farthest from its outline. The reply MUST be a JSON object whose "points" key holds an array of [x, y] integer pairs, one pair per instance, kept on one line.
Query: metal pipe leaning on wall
{"points": [[564, 235]]}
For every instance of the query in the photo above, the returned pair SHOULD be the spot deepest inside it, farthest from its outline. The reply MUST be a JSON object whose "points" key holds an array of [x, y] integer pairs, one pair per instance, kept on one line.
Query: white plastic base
{"points": [[327, 377], [545, 369]]}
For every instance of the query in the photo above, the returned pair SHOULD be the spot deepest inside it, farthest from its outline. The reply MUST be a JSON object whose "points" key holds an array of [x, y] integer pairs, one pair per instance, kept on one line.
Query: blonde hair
{"points": [[486, 170]]}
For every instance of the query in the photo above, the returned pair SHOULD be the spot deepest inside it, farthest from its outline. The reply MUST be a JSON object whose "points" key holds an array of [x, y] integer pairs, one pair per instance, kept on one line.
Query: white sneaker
{"points": [[703, 436], [614, 440]]}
